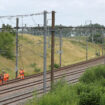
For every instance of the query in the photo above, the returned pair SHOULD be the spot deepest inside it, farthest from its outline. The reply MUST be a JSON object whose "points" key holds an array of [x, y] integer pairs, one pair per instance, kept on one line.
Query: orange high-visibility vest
{"points": [[21, 72], [6, 77]]}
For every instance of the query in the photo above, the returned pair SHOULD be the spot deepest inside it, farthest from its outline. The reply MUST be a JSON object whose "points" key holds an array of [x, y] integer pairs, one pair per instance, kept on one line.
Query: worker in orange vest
{"points": [[5, 77], [1, 79], [21, 73]]}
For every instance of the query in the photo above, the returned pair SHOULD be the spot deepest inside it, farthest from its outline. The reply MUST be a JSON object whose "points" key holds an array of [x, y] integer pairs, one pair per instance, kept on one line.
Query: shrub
{"points": [[33, 65], [83, 88], [102, 100], [91, 98], [97, 38], [63, 94], [97, 53], [55, 66], [7, 44], [93, 74], [37, 69]]}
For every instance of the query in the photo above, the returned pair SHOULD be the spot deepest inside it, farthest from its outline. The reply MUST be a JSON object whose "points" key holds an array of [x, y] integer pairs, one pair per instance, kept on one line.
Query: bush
{"points": [[63, 94], [37, 70], [33, 65], [91, 98], [55, 66], [97, 38], [83, 88], [102, 100], [7, 44], [93, 74], [97, 53]]}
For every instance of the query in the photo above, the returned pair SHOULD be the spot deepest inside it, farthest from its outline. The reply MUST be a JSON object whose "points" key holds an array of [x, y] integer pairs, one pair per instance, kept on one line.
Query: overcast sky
{"points": [[68, 12]]}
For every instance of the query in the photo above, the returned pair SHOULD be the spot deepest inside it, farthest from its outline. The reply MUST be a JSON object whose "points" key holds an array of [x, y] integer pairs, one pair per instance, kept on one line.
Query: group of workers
{"points": [[4, 77]]}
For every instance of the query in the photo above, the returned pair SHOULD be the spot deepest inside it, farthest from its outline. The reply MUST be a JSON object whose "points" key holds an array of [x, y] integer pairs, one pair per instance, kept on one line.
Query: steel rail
{"points": [[17, 98], [56, 70], [11, 89], [17, 87]]}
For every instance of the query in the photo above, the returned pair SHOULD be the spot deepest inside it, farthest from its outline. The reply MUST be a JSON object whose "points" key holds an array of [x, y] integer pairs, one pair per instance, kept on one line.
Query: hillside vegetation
{"points": [[89, 91], [31, 54]]}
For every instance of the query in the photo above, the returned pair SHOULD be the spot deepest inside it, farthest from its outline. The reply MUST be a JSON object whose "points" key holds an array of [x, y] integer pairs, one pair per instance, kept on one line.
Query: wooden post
{"points": [[17, 24], [52, 47]]}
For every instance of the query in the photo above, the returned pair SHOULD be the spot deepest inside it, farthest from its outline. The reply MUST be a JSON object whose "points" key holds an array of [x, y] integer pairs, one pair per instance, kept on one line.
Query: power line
{"points": [[25, 15]]}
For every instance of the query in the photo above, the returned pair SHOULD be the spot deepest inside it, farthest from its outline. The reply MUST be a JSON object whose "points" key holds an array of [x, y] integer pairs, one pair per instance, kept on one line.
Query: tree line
{"points": [[94, 32]]}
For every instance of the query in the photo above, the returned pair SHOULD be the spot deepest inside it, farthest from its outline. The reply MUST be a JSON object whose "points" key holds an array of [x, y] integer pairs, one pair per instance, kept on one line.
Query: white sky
{"points": [[68, 12]]}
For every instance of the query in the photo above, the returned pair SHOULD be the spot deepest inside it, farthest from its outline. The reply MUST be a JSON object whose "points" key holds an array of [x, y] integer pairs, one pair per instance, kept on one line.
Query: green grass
{"points": [[89, 91], [61, 95]]}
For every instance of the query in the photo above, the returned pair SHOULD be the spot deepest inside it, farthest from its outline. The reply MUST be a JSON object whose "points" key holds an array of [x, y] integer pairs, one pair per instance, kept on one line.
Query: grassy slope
{"points": [[32, 53]]}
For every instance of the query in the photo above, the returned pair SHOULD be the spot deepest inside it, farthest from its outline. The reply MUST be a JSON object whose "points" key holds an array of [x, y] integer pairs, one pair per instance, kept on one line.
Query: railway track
{"points": [[31, 81], [16, 91], [28, 95], [11, 89], [59, 69]]}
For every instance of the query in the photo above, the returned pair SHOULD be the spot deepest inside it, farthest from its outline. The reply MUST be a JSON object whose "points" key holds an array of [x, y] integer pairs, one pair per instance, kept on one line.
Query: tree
{"points": [[7, 28], [97, 38], [7, 44]]}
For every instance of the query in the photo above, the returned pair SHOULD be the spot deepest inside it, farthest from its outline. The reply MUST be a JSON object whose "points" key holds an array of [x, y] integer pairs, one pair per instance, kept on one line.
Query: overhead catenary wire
{"points": [[25, 15], [10, 17]]}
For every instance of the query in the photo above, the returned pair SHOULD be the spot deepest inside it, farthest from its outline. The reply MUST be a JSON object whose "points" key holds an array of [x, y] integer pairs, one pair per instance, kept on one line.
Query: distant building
{"points": [[72, 35]]}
